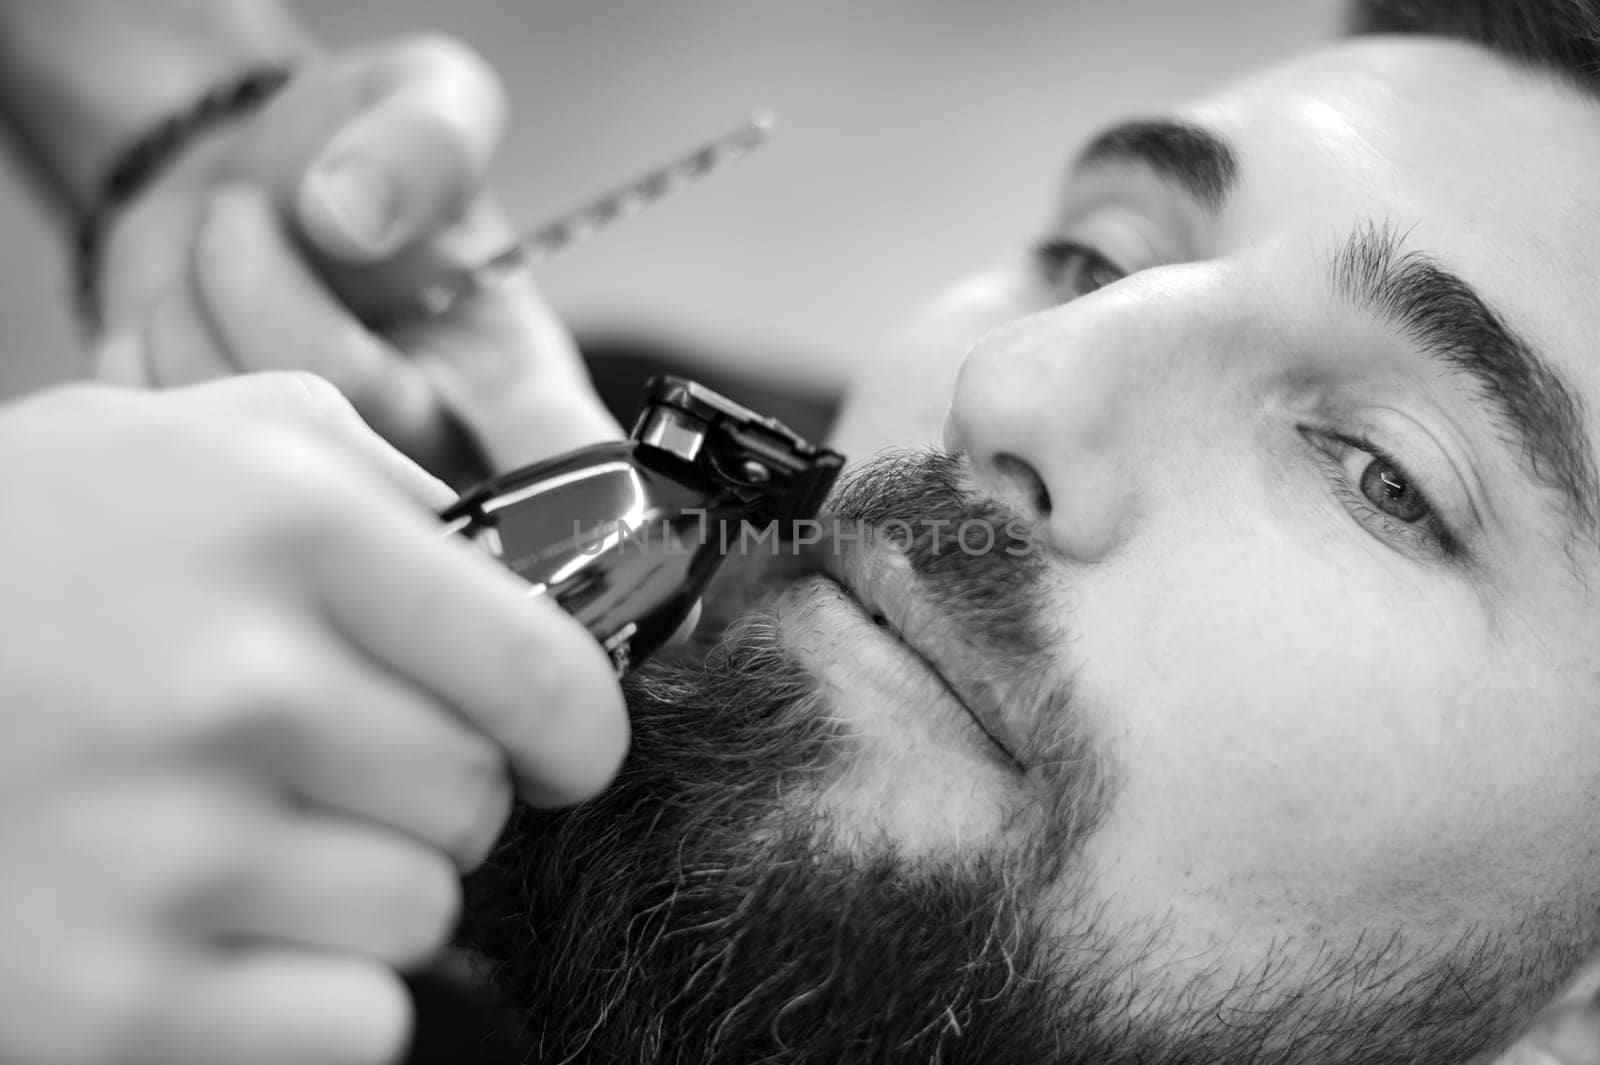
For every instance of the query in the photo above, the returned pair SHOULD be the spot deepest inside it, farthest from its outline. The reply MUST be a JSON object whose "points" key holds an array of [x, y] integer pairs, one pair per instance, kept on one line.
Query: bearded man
{"points": [[1260, 728], [1221, 688]]}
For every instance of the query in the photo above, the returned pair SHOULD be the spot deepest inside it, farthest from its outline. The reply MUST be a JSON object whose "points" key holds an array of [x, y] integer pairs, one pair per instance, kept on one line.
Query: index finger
{"points": [[307, 401], [452, 620], [413, 158]]}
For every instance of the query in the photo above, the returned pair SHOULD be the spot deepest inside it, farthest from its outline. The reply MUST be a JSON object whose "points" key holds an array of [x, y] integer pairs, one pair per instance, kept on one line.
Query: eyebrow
{"points": [[1192, 157], [1450, 321]]}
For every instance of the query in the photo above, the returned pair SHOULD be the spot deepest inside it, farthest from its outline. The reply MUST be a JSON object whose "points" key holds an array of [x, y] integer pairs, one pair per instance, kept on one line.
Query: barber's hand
{"points": [[258, 715], [369, 167]]}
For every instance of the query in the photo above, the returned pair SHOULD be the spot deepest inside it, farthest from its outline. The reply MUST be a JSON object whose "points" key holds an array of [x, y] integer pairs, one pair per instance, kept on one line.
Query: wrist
{"points": [[82, 80], [172, 144]]}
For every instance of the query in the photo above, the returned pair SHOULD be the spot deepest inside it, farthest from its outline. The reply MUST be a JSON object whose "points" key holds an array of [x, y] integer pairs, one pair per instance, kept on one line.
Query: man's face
{"points": [[1292, 411], [1328, 606]]}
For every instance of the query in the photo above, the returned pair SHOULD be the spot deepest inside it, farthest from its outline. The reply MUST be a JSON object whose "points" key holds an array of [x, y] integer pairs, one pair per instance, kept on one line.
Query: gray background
{"points": [[915, 140]]}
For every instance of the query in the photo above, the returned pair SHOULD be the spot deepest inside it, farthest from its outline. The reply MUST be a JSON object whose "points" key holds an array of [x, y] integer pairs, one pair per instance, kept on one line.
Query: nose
{"points": [[1057, 413]]}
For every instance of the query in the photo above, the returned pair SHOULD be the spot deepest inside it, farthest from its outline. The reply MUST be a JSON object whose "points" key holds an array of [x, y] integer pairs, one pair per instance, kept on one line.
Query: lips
{"points": [[882, 581]]}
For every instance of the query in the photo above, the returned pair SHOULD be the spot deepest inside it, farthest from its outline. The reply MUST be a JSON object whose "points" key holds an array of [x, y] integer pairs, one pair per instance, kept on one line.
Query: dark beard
{"points": [[698, 912], [688, 916]]}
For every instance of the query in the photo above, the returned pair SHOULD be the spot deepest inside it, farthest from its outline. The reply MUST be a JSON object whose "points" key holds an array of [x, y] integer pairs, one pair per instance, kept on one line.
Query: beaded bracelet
{"points": [[142, 162]]}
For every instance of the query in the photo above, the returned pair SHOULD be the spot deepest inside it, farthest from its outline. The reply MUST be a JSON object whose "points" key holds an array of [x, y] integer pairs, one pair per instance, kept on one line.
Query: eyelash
{"points": [[1055, 257], [1429, 534]]}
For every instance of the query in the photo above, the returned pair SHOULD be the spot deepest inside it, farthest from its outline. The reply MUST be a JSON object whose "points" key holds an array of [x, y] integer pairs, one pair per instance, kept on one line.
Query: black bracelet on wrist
{"points": [[143, 161]]}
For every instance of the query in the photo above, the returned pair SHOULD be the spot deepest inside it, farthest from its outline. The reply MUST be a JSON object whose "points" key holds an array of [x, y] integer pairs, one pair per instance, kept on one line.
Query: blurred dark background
{"points": [[915, 140]]}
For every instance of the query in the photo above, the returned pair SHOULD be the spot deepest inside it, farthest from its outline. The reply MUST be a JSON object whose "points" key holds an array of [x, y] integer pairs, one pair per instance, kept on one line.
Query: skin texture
{"points": [[1337, 747], [228, 834], [1323, 727], [232, 830], [1330, 741], [355, 187]]}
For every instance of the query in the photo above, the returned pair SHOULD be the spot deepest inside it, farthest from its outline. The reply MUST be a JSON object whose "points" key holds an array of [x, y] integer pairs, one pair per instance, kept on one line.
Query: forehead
{"points": [[1493, 168]]}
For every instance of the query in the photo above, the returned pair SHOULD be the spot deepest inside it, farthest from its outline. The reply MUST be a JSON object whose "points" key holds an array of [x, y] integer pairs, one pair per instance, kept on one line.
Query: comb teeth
{"points": [[539, 244]]}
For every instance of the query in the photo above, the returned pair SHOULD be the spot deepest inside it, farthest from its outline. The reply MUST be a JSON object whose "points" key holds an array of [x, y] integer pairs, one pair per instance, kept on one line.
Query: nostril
{"points": [[1041, 497], [1024, 481]]}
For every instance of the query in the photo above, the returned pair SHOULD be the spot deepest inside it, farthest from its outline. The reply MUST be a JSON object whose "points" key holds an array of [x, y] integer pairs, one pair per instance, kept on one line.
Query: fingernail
{"points": [[358, 200]]}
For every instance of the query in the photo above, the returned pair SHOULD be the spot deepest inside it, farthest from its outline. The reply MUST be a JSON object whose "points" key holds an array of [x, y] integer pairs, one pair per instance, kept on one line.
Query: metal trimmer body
{"points": [[626, 535]]}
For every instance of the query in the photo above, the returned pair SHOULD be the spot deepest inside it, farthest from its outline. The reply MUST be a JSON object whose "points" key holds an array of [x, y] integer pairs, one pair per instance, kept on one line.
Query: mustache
{"points": [[981, 564], [978, 559]]}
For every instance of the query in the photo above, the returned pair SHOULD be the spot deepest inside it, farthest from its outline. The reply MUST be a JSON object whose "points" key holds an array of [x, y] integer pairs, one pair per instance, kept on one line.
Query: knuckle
{"points": [[550, 695], [315, 392], [257, 683], [570, 678], [184, 850], [166, 845], [222, 884], [276, 458], [310, 396], [549, 669], [204, 841], [303, 491]]}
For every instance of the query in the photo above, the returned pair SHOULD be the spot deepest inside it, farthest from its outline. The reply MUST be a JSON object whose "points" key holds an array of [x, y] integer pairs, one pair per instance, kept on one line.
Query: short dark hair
{"points": [[1558, 36]]}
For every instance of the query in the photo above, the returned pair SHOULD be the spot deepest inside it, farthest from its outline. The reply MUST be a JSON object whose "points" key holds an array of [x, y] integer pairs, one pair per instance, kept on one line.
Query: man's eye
{"points": [[1075, 269], [1382, 495], [1389, 488]]}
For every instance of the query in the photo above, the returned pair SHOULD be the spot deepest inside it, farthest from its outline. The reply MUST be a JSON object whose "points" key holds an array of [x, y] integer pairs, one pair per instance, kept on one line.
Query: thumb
{"points": [[411, 159]]}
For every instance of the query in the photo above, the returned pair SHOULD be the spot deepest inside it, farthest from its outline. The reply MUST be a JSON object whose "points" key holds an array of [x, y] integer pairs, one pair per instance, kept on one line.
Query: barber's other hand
{"points": [[258, 716], [370, 166]]}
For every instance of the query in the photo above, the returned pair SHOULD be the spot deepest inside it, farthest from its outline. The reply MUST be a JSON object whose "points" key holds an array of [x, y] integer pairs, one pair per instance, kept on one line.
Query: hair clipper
{"points": [[625, 536]]}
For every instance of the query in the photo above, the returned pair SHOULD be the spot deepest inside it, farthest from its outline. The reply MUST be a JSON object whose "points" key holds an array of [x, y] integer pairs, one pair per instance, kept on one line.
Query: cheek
{"points": [[1304, 745], [899, 397]]}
